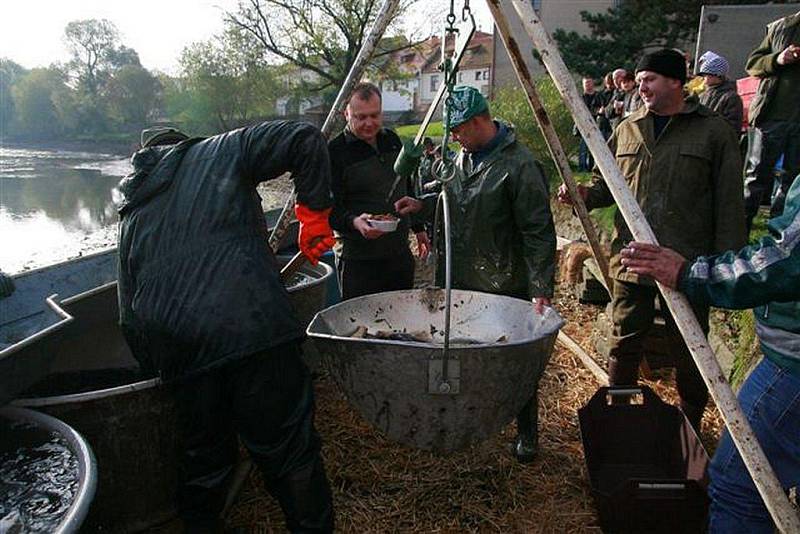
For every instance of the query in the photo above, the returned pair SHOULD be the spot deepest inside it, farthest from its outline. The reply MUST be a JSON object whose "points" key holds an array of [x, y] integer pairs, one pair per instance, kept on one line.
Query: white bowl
{"points": [[384, 226]]}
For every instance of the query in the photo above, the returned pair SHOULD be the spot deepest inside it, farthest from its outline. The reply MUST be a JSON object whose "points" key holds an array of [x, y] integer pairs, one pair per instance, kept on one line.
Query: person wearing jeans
{"points": [[767, 275]]}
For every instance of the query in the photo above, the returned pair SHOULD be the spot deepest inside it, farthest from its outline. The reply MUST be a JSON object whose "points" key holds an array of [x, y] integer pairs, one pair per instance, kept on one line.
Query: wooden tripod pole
{"points": [[550, 136], [764, 477], [388, 9]]}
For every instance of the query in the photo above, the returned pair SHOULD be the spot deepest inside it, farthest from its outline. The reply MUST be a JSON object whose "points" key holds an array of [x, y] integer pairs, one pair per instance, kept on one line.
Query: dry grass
{"points": [[379, 486]]}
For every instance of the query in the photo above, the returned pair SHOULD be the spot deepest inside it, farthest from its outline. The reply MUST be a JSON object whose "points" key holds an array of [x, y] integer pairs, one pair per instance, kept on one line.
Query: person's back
{"points": [[202, 305], [193, 228]]}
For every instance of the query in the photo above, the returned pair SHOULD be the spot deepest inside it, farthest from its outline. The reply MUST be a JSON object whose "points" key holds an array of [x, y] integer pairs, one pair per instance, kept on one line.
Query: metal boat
{"points": [[35, 327]]}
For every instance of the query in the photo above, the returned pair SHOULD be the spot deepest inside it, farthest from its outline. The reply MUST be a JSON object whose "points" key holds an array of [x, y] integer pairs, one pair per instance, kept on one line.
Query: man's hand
{"points": [[361, 224], [565, 198], [539, 303], [423, 244], [315, 236], [407, 205], [661, 263], [791, 54]]}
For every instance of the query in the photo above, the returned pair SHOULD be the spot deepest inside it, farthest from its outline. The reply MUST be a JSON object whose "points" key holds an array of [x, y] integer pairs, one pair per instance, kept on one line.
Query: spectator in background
{"points": [[720, 94], [612, 109], [606, 96], [631, 101], [774, 115], [593, 101]]}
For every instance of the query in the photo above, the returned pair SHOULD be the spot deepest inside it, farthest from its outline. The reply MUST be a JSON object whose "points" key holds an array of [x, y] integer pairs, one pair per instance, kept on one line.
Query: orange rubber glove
{"points": [[315, 236]]}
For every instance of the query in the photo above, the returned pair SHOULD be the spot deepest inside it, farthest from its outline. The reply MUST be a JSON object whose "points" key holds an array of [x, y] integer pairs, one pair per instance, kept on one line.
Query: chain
{"points": [[451, 16], [466, 12]]}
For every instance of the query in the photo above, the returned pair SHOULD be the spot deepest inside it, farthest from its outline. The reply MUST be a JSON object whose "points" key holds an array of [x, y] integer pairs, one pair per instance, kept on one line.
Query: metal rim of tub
{"points": [[328, 271], [51, 400], [87, 464]]}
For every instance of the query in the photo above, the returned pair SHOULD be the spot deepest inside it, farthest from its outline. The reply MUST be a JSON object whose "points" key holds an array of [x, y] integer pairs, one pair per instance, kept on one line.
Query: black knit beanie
{"points": [[666, 62]]}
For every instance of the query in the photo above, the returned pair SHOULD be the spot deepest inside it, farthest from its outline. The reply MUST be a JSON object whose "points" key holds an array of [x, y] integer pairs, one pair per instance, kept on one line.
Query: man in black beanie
{"points": [[682, 163]]}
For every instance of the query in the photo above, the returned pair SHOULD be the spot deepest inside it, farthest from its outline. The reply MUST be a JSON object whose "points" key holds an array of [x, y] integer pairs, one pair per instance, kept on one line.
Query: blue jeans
{"points": [[770, 399]]}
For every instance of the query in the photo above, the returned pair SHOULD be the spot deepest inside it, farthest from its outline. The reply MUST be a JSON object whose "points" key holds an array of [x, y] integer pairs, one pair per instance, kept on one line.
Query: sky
{"points": [[31, 31]]}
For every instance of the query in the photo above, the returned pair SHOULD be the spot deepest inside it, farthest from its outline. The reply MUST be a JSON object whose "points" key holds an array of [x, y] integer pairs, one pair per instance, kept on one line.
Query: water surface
{"points": [[55, 204]]}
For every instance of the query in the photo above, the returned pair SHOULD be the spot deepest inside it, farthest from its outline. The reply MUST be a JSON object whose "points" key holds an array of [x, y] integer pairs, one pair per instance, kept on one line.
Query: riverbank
{"points": [[122, 148]]}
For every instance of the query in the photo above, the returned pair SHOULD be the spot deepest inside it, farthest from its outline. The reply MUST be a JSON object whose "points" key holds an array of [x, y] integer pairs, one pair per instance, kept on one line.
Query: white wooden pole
{"points": [[550, 136], [384, 17], [754, 459]]}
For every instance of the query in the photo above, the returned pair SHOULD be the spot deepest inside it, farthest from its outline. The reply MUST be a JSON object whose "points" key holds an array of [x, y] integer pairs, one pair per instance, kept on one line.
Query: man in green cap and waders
{"points": [[503, 237]]}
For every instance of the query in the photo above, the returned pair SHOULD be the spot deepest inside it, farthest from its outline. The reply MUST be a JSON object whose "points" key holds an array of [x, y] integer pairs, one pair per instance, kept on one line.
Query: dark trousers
{"points": [[267, 400], [633, 311], [765, 145], [585, 159], [365, 277]]}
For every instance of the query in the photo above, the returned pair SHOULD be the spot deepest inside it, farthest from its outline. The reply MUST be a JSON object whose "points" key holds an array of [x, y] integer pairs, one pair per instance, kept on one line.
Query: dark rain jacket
{"points": [[503, 237], [688, 183], [198, 284], [777, 95], [362, 176], [724, 99]]}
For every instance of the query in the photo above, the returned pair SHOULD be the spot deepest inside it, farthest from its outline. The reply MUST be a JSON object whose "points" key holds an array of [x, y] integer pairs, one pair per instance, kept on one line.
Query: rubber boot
{"points": [[526, 446], [694, 414], [305, 498]]}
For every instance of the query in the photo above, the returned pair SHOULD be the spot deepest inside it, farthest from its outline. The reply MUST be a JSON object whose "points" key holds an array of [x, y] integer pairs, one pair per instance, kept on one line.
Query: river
{"points": [[55, 204]]}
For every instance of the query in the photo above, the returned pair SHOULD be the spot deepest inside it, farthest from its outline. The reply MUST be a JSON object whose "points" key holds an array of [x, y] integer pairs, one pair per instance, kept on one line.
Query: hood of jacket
{"points": [[153, 171]]}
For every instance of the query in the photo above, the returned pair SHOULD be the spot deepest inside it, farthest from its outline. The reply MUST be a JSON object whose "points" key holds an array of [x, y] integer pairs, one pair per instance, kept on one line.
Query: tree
{"points": [[320, 36], [91, 42], [229, 81], [622, 34], [122, 56], [133, 96], [36, 113], [10, 72]]}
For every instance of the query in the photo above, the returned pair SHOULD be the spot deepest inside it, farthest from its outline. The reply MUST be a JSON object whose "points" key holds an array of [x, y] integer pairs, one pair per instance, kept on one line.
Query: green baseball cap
{"points": [[162, 135], [465, 103]]}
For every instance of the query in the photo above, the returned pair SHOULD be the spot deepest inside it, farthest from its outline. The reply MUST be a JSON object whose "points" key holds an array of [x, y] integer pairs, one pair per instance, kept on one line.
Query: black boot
{"points": [[526, 446], [305, 498]]}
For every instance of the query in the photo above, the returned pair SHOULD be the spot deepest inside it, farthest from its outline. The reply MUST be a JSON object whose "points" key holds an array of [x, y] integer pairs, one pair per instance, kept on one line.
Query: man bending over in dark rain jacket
{"points": [[202, 305]]}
